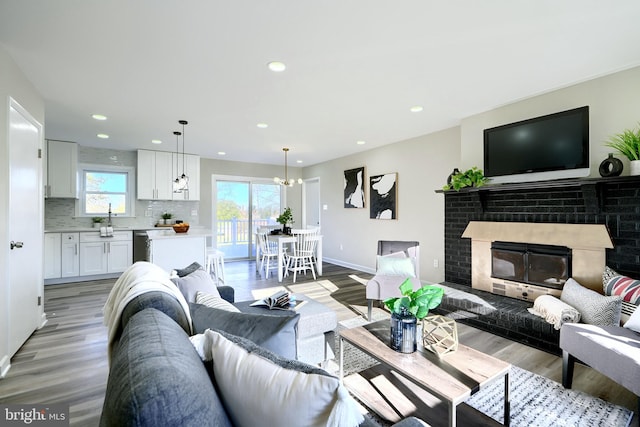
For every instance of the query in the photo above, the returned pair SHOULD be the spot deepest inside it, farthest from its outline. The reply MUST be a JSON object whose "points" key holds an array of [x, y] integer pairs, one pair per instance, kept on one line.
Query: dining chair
{"points": [[302, 257], [268, 250]]}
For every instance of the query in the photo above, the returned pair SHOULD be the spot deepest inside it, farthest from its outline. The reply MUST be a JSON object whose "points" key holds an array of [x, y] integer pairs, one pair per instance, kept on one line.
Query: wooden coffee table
{"points": [[452, 378]]}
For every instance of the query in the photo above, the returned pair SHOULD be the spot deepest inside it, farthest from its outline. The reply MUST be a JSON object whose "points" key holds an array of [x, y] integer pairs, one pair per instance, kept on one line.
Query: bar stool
{"points": [[215, 263]]}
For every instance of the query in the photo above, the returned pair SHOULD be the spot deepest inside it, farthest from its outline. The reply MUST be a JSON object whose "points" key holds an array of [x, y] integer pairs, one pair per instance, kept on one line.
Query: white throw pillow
{"points": [[259, 388], [634, 321], [395, 266], [215, 301]]}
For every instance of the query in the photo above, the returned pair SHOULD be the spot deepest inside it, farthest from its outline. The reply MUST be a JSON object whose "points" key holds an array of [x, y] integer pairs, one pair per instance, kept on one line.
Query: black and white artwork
{"points": [[354, 188], [382, 195]]}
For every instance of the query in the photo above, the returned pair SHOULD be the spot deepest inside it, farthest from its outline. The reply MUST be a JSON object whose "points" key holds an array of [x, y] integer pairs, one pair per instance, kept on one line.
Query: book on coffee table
{"points": [[277, 301]]}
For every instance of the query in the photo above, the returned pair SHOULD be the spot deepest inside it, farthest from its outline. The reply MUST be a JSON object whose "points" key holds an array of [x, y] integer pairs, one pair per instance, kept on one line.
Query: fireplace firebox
{"points": [[542, 265]]}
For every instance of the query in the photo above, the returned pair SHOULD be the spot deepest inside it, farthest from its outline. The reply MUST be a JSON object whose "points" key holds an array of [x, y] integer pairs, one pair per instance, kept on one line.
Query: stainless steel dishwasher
{"points": [[140, 246]]}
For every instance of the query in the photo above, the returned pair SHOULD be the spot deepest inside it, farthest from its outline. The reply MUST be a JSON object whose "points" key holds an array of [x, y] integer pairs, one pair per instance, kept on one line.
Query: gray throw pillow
{"points": [[190, 284], [594, 308], [181, 272], [275, 333]]}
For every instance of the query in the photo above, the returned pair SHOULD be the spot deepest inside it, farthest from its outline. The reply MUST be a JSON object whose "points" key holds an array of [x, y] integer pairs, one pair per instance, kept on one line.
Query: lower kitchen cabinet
{"points": [[70, 256], [103, 255]]}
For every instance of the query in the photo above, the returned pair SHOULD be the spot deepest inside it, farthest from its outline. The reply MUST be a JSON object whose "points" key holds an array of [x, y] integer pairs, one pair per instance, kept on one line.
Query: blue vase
{"points": [[403, 332]]}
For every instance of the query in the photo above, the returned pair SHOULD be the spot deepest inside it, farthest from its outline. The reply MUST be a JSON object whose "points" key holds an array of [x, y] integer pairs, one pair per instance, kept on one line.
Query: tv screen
{"points": [[555, 142]]}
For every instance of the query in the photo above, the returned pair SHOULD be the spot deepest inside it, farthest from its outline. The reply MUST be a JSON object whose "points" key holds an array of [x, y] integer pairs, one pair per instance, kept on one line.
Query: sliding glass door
{"points": [[240, 206]]}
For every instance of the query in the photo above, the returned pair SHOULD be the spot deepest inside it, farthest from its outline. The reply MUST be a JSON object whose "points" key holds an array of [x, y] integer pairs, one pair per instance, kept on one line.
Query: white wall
{"points": [[423, 165], [12, 84], [614, 105]]}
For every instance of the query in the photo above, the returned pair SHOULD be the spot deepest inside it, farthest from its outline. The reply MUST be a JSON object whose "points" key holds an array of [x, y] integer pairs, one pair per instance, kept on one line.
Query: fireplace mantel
{"points": [[574, 236]]}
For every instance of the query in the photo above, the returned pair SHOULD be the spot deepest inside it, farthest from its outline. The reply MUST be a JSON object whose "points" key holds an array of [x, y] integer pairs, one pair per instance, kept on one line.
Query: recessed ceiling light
{"points": [[99, 116], [156, 141], [222, 153], [416, 109], [103, 136], [277, 66], [262, 125], [361, 142], [298, 161]]}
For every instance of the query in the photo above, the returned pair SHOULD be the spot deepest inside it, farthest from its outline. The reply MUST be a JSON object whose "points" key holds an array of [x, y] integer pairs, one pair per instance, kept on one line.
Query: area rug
{"points": [[539, 401]]}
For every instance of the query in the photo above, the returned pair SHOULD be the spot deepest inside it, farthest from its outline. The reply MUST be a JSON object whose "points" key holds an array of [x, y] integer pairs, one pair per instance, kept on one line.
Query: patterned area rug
{"points": [[539, 401]]}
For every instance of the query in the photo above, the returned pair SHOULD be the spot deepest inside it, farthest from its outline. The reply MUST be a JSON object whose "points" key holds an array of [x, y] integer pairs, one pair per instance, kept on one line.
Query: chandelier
{"points": [[181, 183], [286, 181]]}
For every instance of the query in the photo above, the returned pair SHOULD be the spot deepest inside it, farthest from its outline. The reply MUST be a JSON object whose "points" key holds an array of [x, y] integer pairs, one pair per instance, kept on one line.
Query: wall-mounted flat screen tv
{"points": [[547, 147]]}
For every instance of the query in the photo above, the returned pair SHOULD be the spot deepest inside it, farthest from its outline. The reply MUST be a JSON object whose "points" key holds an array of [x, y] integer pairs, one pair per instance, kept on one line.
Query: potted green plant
{"points": [[285, 218], [473, 177], [407, 309], [628, 144], [97, 221], [166, 217]]}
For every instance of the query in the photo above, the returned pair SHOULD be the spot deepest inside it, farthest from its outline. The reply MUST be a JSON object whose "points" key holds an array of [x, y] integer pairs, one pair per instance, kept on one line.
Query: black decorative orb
{"points": [[610, 166]]}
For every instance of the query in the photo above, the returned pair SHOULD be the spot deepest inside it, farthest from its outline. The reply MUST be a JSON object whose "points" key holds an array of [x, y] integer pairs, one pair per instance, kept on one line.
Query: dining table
{"points": [[282, 240]]}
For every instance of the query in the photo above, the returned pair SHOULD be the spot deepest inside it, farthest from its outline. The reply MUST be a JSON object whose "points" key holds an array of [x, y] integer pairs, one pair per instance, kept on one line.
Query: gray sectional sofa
{"points": [[156, 376]]}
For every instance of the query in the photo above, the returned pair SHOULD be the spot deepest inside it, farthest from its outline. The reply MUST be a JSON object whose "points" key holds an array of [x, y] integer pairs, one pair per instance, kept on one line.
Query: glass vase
{"points": [[403, 332]]}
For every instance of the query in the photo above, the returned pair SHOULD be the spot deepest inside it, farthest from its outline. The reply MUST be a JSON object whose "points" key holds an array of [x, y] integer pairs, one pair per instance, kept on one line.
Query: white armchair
{"points": [[396, 261]]}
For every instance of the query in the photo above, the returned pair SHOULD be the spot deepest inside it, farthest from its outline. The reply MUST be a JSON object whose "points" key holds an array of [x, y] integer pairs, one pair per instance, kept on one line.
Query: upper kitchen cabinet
{"points": [[191, 167], [62, 169], [155, 180]]}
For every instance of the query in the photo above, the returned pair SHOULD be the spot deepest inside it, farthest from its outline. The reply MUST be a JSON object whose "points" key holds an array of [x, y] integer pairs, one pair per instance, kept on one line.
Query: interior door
{"points": [[311, 202], [25, 226]]}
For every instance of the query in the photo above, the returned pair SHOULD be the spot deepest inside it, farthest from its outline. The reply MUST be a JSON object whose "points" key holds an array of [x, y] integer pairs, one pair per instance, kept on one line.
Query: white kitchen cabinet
{"points": [[102, 255], [191, 168], [62, 169], [52, 255], [155, 175], [70, 255]]}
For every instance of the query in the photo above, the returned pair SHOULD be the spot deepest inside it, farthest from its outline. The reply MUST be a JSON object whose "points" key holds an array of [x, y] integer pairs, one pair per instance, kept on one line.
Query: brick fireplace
{"points": [[535, 209], [585, 242], [610, 202]]}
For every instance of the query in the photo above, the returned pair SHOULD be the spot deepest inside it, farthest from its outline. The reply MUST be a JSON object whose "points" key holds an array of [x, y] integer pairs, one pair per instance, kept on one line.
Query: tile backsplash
{"points": [[60, 213]]}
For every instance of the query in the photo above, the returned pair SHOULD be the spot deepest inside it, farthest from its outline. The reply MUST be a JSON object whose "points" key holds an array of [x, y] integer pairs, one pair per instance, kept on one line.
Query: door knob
{"points": [[17, 245]]}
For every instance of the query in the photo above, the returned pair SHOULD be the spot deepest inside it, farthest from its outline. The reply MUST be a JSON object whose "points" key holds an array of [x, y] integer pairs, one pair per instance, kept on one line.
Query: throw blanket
{"points": [[554, 311], [138, 279]]}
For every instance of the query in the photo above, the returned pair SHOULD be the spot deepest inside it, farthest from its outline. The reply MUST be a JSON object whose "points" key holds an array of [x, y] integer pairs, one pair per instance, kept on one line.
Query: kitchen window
{"points": [[101, 186]]}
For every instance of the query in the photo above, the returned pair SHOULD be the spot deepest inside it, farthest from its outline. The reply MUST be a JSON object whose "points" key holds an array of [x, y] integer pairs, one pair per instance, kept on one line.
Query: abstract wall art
{"points": [[382, 195], [354, 188]]}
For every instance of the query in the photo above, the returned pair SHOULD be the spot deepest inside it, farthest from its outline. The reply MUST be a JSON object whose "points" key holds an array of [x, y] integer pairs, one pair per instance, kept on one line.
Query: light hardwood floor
{"points": [[66, 361]]}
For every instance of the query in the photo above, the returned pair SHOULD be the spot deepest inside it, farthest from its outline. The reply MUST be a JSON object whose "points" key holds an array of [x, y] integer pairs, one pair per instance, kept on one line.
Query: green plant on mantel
{"points": [[627, 143], [470, 178], [417, 302]]}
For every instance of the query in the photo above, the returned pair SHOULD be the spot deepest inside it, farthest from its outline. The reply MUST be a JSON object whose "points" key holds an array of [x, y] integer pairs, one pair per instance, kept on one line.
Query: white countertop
{"points": [[83, 230], [170, 234]]}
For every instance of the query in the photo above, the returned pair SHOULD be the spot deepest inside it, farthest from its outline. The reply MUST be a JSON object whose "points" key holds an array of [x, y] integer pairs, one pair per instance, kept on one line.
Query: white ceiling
{"points": [[354, 67]]}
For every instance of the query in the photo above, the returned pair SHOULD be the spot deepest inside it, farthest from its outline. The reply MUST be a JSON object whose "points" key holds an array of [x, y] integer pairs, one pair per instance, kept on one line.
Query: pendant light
{"points": [[181, 183], [286, 181], [176, 182]]}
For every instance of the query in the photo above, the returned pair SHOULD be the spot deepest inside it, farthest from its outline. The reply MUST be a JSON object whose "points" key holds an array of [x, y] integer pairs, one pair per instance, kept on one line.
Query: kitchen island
{"points": [[170, 250]]}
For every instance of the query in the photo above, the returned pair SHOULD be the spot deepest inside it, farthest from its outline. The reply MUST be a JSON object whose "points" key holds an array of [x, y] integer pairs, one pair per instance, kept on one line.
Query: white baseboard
{"points": [[5, 365], [43, 320], [349, 265]]}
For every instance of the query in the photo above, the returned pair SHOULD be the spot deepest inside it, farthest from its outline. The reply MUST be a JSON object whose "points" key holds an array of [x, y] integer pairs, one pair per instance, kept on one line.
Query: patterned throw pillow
{"points": [[215, 301], [594, 308], [613, 283]]}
